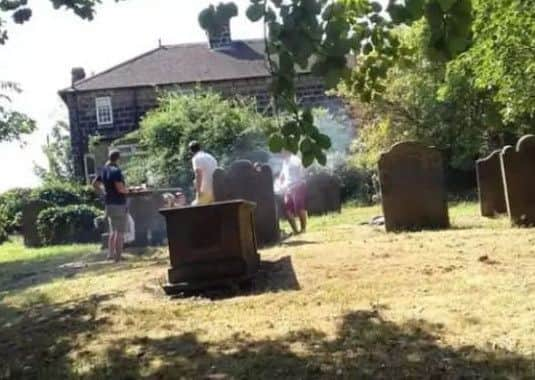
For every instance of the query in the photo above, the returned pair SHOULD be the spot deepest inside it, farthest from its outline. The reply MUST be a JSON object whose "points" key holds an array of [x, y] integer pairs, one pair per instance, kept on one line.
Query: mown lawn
{"points": [[345, 301]]}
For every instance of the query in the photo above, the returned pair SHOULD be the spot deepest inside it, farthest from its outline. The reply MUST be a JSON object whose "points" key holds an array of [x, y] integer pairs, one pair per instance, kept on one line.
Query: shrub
{"points": [[70, 224], [57, 194], [227, 128], [3, 225], [12, 202], [358, 185]]}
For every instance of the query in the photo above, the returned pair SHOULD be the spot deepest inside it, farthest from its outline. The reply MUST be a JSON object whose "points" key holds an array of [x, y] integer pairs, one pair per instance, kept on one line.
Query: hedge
{"points": [[3, 225], [70, 224], [12, 202]]}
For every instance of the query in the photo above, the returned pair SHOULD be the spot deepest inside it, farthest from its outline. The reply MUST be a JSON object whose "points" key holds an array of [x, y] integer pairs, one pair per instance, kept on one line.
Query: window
{"points": [[104, 111], [127, 150], [90, 168]]}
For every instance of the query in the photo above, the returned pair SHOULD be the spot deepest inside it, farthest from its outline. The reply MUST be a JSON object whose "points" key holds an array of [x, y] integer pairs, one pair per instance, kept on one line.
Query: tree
{"points": [[322, 34], [501, 58], [464, 125], [58, 151], [13, 124], [228, 128]]}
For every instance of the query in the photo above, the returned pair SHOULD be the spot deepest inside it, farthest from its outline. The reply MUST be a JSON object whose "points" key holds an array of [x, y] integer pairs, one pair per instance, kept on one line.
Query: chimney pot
{"points": [[77, 74]]}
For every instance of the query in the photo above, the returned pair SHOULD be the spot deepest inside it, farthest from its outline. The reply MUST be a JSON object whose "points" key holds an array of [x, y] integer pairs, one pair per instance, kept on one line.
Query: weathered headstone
{"points": [[210, 245], [149, 224], [30, 213], [323, 194], [243, 180], [518, 167], [490, 185], [413, 190]]}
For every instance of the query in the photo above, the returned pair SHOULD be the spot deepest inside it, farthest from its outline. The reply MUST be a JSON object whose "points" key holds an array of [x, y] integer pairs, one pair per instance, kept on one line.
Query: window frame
{"points": [[101, 102]]}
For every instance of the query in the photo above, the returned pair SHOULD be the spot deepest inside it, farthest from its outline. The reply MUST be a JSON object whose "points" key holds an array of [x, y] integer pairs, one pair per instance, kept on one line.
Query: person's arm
{"points": [[198, 180], [97, 184], [121, 188]]}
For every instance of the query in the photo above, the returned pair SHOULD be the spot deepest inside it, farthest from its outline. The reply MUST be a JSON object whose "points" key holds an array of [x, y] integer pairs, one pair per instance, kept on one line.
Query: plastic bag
{"points": [[130, 234]]}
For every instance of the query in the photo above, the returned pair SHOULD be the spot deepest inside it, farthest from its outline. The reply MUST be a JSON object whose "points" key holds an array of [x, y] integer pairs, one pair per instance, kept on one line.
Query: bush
{"points": [[358, 185], [227, 128], [12, 202], [57, 194], [3, 225], [70, 224]]}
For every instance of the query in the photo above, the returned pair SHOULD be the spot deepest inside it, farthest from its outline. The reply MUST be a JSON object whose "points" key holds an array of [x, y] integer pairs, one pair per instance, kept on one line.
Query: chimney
{"points": [[77, 74], [220, 38]]}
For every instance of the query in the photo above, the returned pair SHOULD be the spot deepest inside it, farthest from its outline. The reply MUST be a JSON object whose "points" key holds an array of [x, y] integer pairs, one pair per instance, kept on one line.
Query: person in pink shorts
{"points": [[293, 186]]}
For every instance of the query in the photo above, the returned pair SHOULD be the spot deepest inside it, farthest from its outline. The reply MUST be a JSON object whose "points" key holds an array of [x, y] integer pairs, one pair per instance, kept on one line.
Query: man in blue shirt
{"points": [[111, 178]]}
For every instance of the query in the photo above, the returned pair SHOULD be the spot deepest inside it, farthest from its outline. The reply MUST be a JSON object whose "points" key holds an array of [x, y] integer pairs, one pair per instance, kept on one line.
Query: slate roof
{"points": [[181, 64]]}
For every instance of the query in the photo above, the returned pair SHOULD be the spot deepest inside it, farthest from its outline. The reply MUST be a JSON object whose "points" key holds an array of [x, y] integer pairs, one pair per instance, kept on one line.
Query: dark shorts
{"points": [[117, 219], [295, 199]]}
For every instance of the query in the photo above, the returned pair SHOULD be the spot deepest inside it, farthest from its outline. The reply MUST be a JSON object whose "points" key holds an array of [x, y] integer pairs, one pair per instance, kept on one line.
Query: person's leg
{"points": [[119, 244], [111, 245], [289, 212], [303, 218]]}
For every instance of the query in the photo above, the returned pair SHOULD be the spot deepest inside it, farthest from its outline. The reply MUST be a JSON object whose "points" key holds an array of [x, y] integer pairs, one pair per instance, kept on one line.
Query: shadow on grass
{"points": [[22, 274], [35, 341], [272, 276], [366, 347]]}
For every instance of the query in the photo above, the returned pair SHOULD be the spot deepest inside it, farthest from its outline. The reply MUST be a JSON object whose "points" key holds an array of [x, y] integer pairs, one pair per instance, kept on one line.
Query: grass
{"points": [[344, 301]]}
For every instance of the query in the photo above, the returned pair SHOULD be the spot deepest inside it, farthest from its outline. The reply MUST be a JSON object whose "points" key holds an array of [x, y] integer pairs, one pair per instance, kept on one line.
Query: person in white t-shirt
{"points": [[204, 166], [292, 185]]}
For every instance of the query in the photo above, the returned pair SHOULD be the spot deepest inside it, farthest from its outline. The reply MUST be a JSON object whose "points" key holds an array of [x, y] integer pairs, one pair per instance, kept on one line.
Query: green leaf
{"points": [[307, 145], [255, 12], [322, 158], [324, 142], [308, 159], [276, 143]]}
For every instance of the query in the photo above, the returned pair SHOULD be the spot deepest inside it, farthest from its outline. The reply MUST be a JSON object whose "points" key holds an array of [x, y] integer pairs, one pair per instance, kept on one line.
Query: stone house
{"points": [[110, 104]]}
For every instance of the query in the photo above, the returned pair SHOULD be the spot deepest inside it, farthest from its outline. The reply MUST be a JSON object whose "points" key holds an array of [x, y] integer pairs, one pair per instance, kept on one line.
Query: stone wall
{"points": [[130, 104]]}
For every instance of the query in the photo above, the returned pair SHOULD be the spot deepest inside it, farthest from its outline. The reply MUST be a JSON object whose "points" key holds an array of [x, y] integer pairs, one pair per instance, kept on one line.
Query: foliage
{"points": [[501, 59], [58, 195], [13, 124], [12, 202], [70, 224], [4, 225], [59, 154], [213, 19], [463, 125], [228, 128], [321, 34]]}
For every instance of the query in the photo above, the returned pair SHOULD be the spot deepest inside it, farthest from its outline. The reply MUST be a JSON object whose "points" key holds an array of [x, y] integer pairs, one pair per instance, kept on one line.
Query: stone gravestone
{"points": [[30, 213], [490, 185], [149, 224], [518, 167], [323, 194], [243, 180], [412, 186]]}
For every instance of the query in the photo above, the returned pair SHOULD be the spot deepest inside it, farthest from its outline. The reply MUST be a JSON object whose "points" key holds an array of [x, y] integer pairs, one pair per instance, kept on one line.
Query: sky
{"points": [[40, 54]]}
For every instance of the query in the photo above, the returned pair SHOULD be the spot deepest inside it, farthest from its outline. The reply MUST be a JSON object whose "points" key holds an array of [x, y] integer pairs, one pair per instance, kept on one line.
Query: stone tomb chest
{"points": [[254, 183], [210, 245], [490, 186], [518, 166], [323, 194], [412, 186]]}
